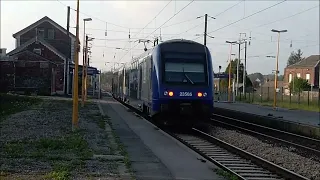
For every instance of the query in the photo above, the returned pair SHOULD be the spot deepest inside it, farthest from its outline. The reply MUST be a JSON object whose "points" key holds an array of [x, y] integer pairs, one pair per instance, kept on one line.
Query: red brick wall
{"points": [[302, 71]]}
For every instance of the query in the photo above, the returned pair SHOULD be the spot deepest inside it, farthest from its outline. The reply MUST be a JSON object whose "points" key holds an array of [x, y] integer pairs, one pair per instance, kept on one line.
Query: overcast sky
{"points": [[303, 28]]}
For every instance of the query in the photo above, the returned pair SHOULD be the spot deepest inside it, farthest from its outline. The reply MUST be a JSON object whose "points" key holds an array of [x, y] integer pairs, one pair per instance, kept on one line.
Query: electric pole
{"points": [[85, 69], [238, 63], [277, 68], [244, 69], [205, 28], [76, 76], [66, 69], [230, 67]]}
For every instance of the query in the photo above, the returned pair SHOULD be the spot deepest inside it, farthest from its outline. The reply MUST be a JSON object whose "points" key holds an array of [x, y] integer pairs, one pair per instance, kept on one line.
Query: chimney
{"points": [[3, 52]]}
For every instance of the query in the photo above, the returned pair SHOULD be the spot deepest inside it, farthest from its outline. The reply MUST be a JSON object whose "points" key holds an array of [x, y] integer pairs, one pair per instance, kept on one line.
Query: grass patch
{"points": [[124, 153], [10, 104], [226, 174], [51, 148], [102, 123], [62, 169], [73, 142], [121, 148], [58, 175]]}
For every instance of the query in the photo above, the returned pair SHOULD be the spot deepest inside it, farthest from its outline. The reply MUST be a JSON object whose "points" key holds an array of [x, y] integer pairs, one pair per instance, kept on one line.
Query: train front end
{"points": [[185, 81]]}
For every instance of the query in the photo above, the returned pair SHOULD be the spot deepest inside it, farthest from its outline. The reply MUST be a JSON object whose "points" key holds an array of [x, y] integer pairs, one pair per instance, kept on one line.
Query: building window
{"points": [[298, 75], [40, 32], [308, 77], [290, 78], [50, 33], [37, 51]]}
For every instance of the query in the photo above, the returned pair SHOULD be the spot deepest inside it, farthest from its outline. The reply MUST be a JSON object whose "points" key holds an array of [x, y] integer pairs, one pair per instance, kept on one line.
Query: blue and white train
{"points": [[175, 78]]}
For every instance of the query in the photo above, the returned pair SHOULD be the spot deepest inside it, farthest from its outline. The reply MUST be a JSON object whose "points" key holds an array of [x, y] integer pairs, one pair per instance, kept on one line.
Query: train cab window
{"points": [[180, 70]]}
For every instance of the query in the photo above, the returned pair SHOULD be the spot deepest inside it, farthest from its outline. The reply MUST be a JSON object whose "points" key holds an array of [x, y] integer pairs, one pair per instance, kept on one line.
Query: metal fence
{"points": [[306, 100]]}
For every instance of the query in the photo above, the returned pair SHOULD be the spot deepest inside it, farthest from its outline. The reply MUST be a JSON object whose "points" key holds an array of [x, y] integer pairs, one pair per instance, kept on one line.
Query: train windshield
{"points": [[185, 69]]}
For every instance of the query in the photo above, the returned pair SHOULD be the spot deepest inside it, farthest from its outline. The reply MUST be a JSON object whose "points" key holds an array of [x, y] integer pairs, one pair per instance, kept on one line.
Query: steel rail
{"points": [[303, 143]]}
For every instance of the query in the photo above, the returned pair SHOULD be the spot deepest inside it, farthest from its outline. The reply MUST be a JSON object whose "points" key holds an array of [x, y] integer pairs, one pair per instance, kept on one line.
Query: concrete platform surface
{"points": [[298, 116], [153, 154]]}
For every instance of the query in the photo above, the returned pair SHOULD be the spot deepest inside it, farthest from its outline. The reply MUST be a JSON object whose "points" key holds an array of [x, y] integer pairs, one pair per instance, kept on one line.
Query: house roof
{"points": [[310, 61], [33, 40], [42, 20], [33, 54]]}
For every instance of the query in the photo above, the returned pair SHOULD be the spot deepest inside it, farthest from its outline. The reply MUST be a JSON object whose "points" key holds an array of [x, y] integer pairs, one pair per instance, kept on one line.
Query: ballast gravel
{"points": [[278, 155]]}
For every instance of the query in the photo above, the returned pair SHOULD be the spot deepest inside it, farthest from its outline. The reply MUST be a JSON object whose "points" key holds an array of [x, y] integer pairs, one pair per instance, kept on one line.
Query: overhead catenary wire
{"points": [[278, 20], [293, 15], [94, 16], [245, 17], [145, 27], [162, 24], [164, 34], [273, 52], [209, 19], [171, 17]]}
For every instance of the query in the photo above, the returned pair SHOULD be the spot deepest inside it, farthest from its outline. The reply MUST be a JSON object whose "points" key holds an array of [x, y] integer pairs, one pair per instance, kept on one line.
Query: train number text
{"points": [[185, 93]]}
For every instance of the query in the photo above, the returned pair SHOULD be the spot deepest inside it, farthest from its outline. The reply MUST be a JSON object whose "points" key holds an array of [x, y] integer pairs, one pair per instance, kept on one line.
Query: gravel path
{"points": [[278, 155], [38, 143]]}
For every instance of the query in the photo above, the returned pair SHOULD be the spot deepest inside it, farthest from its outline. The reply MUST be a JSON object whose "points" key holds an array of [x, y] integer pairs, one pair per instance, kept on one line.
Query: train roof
{"points": [[180, 40]]}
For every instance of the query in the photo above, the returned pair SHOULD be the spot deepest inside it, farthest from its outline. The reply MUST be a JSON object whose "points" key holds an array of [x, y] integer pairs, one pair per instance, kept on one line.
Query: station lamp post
{"points": [[84, 60], [277, 68]]}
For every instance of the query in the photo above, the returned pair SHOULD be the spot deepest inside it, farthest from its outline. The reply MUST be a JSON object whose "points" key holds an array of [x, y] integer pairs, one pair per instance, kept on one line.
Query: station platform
{"points": [[154, 155], [297, 116]]}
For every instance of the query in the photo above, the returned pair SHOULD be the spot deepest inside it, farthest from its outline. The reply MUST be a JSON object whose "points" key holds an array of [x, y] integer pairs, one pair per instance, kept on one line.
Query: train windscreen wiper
{"points": [[187, 77]]}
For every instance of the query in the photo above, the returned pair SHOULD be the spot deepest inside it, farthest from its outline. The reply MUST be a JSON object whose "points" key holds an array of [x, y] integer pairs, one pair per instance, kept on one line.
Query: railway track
{"points": [[242, 164], [304, 144]]}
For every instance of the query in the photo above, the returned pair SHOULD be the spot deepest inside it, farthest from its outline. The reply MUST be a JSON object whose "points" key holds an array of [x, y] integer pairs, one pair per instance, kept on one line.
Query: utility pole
{"points": [[66, 70], [205, 28], [87, 62], [84, 61], [277, 69], [238, 63], [230, 67], [244, 70], [85, 68], [76, 76]]}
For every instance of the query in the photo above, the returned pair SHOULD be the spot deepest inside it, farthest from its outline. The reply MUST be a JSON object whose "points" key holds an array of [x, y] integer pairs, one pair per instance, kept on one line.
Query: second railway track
{"points": [[305, 144]]}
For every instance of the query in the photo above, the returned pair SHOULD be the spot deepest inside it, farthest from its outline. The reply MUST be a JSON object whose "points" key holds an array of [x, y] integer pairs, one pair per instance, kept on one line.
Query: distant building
{"points": [[307, 69], [38, 60]]}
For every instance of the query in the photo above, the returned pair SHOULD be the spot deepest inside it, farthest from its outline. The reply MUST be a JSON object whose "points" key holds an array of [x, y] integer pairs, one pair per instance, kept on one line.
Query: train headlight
{"points": [[205, 94], [199, 94], [170, 93], [165, 93]]}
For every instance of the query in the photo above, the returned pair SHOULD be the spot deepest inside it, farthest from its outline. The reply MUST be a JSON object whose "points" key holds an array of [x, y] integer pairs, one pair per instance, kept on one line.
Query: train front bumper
{"points": [[184, 107]]}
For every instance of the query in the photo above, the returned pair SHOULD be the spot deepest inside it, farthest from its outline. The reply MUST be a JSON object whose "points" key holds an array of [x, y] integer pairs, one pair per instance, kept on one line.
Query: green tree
{"points": [[299, 85], [225, 82], [295, 57]]}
